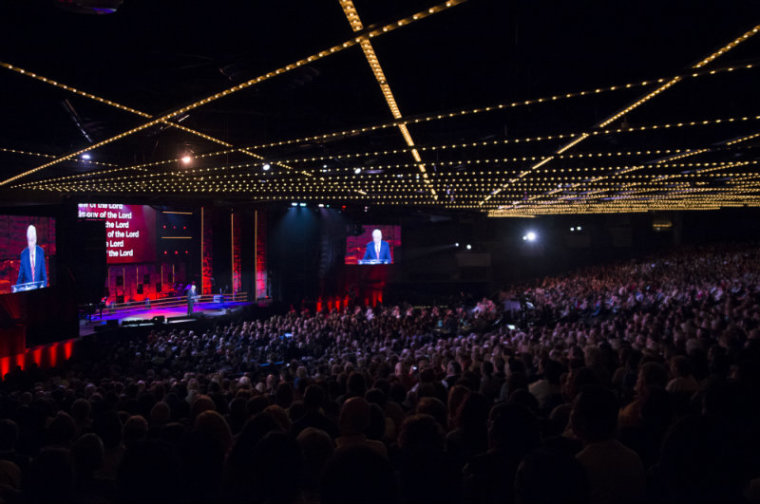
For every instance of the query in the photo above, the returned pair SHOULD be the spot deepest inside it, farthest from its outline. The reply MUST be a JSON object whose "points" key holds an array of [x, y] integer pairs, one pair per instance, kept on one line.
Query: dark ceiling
{"points": [[158, 56]]}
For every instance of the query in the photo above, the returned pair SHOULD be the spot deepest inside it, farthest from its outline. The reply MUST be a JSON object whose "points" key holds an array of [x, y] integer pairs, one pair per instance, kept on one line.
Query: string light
{"points": [[670, 83], [452, 147], [369, 53], [376, 32], [336, 135]]}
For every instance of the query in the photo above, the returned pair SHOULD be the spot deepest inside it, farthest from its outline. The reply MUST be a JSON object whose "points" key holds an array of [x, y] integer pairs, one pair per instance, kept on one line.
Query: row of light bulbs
{"points": [[234, 89], [505, 141], [646, 98], [623, 172]]}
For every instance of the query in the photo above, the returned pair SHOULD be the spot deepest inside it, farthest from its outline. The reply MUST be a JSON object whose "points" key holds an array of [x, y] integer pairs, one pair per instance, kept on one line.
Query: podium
{"points": [[372, 261], [22, 287]]}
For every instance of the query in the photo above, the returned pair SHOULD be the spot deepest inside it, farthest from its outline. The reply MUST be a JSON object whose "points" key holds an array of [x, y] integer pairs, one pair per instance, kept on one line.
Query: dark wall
{"points": [[305, 245]]}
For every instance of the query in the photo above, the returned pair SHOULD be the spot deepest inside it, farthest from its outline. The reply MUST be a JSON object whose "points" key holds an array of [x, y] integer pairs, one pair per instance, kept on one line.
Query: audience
{"points": [[629, 382]]}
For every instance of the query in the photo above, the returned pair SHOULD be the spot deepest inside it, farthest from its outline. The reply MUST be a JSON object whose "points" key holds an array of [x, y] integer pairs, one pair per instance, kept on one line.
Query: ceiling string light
{"points": [[377, 70], [370, 33], [663, 87]]}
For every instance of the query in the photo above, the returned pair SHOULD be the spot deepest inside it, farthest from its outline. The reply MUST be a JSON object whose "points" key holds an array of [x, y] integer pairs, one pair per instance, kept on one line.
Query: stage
{"points": [[167, 311]]}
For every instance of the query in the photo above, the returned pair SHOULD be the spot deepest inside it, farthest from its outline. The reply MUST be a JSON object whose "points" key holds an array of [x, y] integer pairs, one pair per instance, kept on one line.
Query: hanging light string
{"points": [[370, 32], [663, 87], [452, 147]]}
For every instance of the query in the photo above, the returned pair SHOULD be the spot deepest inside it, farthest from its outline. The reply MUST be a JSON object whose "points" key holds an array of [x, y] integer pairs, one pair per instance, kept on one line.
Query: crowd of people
{"points": [[629, 382]]}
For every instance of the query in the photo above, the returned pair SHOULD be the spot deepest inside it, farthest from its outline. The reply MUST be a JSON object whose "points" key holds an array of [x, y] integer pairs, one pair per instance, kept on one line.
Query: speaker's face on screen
{"points": [[31, 237], [377, 236]]}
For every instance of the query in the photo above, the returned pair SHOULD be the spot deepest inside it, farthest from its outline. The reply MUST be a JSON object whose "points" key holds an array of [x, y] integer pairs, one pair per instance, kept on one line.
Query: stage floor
{"points": [[178, 313]]}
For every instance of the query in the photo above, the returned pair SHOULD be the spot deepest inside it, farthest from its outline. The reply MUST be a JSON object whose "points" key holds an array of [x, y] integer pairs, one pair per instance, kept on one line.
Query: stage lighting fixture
{"points": [[469, 247], [572, 229], [303, 204], [267, 166], [456, 244], [578, 228], [357, 171], [321, 205], [530, 236], [294, 204], [187, 159], [86, 156]]}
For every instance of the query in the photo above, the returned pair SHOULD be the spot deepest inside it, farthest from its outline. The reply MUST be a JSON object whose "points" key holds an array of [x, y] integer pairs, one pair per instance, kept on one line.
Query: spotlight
{"points": [[578, 228], [267, 166], [187, 159], [456, 244], [572, 229], [321, 205], [303, 204], [530, 236], [469, 247], [357, 171], [294, 204], [86, 156]]}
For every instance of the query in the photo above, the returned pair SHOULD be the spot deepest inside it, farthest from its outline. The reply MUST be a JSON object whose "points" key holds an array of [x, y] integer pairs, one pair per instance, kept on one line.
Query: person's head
{"points": [[434, 407], [317, 449], [359, 471], [594, 414], [514, 428], [51, 476], [215, 427], [313, 398], [354, 416], [148, 473], [278, 468], [135, 430], [377, 236], [88, 454], [8, 434], [652, 375], [548, 476], [421, 432], [31, 237], [680, 366]]}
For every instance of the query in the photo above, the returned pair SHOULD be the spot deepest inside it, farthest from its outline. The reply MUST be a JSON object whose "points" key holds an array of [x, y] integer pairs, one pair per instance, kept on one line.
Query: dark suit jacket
{"points": [[385, 251], [25, 268]]}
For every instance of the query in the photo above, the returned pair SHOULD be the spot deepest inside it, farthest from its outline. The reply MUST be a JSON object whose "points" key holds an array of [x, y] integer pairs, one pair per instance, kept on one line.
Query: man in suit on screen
{"points": [[32, 268], [378, 249]]}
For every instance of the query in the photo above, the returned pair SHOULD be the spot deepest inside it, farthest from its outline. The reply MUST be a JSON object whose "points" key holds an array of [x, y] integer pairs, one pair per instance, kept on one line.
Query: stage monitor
{"points": [[27, 253], [130, 230], [374, 245]]}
